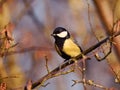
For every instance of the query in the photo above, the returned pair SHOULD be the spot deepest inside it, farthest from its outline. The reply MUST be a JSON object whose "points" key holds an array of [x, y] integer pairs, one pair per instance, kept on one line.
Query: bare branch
{"points": [[75, 82], [67, 63], [102, 58], [46, 64], [89, 82], [63, 73]]}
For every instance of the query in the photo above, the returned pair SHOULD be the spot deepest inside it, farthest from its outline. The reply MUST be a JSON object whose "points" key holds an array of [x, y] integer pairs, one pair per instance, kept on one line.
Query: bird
{"points": [[65, 45]]}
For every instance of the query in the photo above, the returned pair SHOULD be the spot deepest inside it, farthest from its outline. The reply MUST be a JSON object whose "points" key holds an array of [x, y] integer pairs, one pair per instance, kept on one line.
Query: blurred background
{"points": [[32, 22]]}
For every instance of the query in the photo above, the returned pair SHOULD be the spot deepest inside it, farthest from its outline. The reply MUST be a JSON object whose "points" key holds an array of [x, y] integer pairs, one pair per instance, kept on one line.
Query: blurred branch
{"points": [[2, 2], [106, 13], [90, 23], [30, 12], [64, 65], [23, 50], [23, 12], [9, 77]]}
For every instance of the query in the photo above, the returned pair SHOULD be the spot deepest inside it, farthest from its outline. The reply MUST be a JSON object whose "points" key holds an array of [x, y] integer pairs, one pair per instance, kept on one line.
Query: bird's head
{"points": [[60, 33]]}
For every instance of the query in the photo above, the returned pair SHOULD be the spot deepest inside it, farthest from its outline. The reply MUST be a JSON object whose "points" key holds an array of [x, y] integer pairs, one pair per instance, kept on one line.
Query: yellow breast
{"points": [[71, 48]]}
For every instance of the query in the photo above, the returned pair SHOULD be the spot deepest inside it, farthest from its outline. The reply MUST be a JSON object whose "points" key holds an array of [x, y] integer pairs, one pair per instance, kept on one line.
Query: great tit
{"points": [[66, 47]]}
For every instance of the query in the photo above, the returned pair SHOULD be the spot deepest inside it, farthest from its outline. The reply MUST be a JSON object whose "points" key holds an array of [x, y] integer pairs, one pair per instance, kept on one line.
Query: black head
{"points": [[60, 32]]}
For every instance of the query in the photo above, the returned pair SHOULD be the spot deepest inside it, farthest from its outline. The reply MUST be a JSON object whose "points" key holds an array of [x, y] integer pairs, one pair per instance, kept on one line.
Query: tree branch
{"points": [[57, 69]]}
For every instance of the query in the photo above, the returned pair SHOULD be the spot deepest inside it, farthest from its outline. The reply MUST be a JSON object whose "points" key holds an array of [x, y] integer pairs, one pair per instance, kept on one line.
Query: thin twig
{"points": [[75, 82], [89, 82], [63, 73], [46, 64]]}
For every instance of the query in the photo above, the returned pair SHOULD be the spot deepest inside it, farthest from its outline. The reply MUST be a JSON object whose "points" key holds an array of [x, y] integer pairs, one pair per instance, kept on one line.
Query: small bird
{"points": [[66, 47]]}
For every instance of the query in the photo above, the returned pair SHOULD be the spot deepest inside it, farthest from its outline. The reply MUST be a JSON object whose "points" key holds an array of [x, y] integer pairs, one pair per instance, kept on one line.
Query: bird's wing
{"points": [[75, 41]]}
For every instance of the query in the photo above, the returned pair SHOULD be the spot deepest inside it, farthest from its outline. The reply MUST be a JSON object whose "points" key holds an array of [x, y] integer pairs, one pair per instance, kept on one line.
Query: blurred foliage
{"points": [[10, 73]]}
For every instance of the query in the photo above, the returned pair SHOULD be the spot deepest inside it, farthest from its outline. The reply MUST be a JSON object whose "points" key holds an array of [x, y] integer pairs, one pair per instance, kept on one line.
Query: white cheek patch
{"points": [[62, 34]]}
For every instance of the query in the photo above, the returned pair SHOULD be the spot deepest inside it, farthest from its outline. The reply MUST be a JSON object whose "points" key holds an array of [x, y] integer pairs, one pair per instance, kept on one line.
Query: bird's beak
{"points": [[53, 34]]}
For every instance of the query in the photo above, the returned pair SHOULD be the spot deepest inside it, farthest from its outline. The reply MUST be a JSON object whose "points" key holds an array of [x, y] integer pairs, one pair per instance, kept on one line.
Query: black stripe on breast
{"points": [[59, 43]]}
